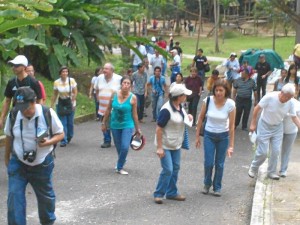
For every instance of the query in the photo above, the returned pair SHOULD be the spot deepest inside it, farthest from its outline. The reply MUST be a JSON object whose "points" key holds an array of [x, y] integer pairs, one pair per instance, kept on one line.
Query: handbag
{"points": [[206, 67], [185, 143], [64, 105], [201, 133]]}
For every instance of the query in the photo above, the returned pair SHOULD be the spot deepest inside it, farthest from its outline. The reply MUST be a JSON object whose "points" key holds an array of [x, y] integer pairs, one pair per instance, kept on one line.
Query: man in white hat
{"points": [[175, 66], [19, 64]]}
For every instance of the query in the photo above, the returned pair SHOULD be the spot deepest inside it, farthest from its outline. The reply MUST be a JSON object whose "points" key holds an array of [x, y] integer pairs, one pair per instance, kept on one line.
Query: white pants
{"points": [[287, 144], [267, 134]]}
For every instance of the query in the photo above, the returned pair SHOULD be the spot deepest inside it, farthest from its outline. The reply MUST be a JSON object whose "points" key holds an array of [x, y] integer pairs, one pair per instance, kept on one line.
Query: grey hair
{"points": [[288, 89], [111, 66]]}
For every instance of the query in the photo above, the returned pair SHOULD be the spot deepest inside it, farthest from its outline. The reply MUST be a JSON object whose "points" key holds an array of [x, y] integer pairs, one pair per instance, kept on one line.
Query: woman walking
{"points": [[65, 88], [218, 134], [123, 111], [169, 137]]}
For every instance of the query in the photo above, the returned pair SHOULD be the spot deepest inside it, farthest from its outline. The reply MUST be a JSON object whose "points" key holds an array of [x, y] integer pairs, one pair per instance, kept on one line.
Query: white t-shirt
{"points": [[289, 127], [64, 88], [29, 134], [106, 89], [93, 82], [273, 110], [136, 59], [177, 59], [218, 118]]}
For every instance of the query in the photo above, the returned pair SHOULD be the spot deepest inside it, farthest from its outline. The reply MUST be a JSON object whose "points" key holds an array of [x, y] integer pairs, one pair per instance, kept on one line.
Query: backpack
{"points": [[47, 115]]}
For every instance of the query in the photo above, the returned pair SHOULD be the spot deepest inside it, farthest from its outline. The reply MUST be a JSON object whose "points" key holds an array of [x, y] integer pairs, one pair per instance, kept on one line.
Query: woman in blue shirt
{"points": [[122, 109]]}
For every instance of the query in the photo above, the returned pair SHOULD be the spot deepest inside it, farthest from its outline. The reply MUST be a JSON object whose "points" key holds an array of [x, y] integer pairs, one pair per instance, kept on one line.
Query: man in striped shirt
{"points": [[242, 95], [106, 84]]}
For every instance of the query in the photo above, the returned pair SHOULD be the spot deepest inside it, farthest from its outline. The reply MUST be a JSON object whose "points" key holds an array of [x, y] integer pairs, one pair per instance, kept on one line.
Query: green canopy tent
{"points": [[252, 56]]}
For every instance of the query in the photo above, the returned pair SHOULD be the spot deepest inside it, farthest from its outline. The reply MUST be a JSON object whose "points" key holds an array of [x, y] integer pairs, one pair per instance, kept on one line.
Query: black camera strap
{"points": [[36, 128]]}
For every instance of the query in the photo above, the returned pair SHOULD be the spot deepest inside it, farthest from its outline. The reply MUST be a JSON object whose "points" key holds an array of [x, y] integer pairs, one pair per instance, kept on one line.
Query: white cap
{"points": [[174, 51], [19, 60], [171, 34], [179, 89], [233, 54], [153, 39]]}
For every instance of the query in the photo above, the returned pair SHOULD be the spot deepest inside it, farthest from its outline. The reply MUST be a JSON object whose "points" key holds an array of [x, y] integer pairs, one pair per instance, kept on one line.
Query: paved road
{"points": [[90, 192]]}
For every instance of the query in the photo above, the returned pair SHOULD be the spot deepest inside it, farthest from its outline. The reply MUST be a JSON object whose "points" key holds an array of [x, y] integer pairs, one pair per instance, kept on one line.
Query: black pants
{"points": [[243, 106], [193, 105], [261, 84], [140, 105]]}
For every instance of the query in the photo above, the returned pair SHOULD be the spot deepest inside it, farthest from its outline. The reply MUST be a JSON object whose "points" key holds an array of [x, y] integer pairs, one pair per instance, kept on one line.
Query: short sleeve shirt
{"points": [[14, 83], [199, 60], [139, 82], [157, 84]]}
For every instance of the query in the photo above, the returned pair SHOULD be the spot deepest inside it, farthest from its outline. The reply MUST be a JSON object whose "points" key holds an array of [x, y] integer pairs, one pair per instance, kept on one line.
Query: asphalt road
{"points": [[90, 192]]}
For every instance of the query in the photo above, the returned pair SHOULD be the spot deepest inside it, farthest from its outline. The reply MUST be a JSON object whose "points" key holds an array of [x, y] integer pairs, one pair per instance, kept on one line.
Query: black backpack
{"points": [[47, 115]]}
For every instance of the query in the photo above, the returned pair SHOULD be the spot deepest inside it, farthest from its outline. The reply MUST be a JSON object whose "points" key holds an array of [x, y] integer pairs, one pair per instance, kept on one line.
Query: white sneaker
{"points": [[282, 174], [251, 173], [273, 176], [122, 172]]}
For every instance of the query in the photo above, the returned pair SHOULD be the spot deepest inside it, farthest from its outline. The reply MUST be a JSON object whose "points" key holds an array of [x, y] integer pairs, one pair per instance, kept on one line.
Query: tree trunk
{"points": [[297, 38], [216, 15], [124, 50], [274, 32], [199, 28]]}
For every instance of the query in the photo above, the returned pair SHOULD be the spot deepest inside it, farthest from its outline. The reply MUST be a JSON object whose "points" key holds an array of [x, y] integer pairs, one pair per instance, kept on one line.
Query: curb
{"points": [[262, 199], [77, 120]]}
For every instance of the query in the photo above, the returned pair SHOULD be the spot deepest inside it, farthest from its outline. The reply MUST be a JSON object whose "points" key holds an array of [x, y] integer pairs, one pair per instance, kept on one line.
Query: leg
{"points": [[247, 109], [138, 98], [41, 182], [165, 175], [70, 122], [221, 149], [16, 201], [96, 105], [276, 142], [239, 111], [258, 89], [172, 187], [154, 106], [160, 103], [194, 103], [116, 133], [142, 106], [64, 122], [264, 87], [209, 155], [124, 146], [287, 144]]}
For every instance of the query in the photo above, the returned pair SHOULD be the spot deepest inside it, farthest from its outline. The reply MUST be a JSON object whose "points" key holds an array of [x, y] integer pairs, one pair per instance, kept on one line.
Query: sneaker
{"points": [[177, 198], [63, 145], [251, 173], [273, 176], [158, 200], [106, 145], [122, 172], [282, 174], [205, 189], [217, 193], [69, 139]]}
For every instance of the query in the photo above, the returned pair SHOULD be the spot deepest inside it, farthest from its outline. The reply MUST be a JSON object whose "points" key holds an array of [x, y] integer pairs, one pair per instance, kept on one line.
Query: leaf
{"points": [[72, 56], [53, 66], [80, 43], [60, 54]]}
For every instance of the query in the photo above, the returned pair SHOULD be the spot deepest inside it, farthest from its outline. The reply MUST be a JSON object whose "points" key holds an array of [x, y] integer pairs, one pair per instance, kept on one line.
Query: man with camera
{"points": [[30, 140]]}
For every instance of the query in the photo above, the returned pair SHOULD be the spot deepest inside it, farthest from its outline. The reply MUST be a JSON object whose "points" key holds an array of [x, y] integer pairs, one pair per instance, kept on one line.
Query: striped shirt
{"points": [[244, 87], [106, 89], [64, 88]]}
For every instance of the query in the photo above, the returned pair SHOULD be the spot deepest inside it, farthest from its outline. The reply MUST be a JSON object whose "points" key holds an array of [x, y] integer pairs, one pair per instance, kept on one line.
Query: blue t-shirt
{"points": [[121, 114], [157, 84]]}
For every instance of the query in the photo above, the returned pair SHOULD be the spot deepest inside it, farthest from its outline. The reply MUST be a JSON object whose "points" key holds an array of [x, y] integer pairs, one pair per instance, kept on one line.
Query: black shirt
{"points": [[262, 68], [199, 60], [13, 84]]}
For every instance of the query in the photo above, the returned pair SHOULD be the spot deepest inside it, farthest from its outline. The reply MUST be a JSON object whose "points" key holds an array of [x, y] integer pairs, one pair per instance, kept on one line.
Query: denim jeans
{"points": [[157, 103], [215, 148], [40, 178], [201, 74], [170, 164], [163, 69], [140, 105], [106, 134], [122, 138], [68, 124]]}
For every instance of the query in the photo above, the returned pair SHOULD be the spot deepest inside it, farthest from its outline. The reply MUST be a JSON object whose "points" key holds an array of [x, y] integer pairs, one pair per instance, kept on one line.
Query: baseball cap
{"points": [[233, 54], [179, 89], [261, 55], [153, 39], [23, 97], [19, 60]]}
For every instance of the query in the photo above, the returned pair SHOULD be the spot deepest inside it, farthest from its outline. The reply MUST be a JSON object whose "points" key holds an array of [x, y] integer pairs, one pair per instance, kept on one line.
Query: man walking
{"points": [[136, 58], [274, 106], [21, 79], [28, 157], [106, 84], [263, 70], [242, 95], [200, 60], [158, 87], [175, 66]]}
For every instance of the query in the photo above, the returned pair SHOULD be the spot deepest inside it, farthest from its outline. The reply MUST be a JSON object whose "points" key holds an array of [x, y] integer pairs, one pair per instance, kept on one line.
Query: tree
{"points": [[217, 18]]}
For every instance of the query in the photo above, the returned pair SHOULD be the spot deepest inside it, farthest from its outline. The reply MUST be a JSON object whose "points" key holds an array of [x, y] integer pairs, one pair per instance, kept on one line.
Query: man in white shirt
{"points": [[28, 156], [274, 106], [136, 58], [106, 84], [175, 66]]}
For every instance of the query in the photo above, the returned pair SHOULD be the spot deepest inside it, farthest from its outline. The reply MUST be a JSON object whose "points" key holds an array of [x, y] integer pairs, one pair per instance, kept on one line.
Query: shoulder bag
{"points": [[201, 133], [65, 106]]}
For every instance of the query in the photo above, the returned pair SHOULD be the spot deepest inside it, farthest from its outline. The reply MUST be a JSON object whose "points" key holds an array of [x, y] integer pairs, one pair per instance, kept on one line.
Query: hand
{"points": [[103, 127], [138, 132], [198, 142], [160, 152], [45, 142], [230, 152], [190, 117], [252, 128]]}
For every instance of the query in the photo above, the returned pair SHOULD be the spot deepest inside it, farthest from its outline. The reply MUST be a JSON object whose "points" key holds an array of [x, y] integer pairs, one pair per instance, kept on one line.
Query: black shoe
{"points": [[63, 145], [69, 139], [245, 129], [106, 145]]}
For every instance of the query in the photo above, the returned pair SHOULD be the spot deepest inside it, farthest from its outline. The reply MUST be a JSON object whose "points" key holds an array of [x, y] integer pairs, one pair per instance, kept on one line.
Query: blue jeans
{"points": [[140, 105], [157, 103], [170, 164], [201, 74], [215, 148], [175, 70], [163, 69], [122, 138], [40, 178], [106, 134], [68, 124]]}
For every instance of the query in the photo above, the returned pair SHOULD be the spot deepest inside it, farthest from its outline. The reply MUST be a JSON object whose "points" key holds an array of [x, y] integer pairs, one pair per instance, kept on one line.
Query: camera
{"points": [[29, 155]]}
